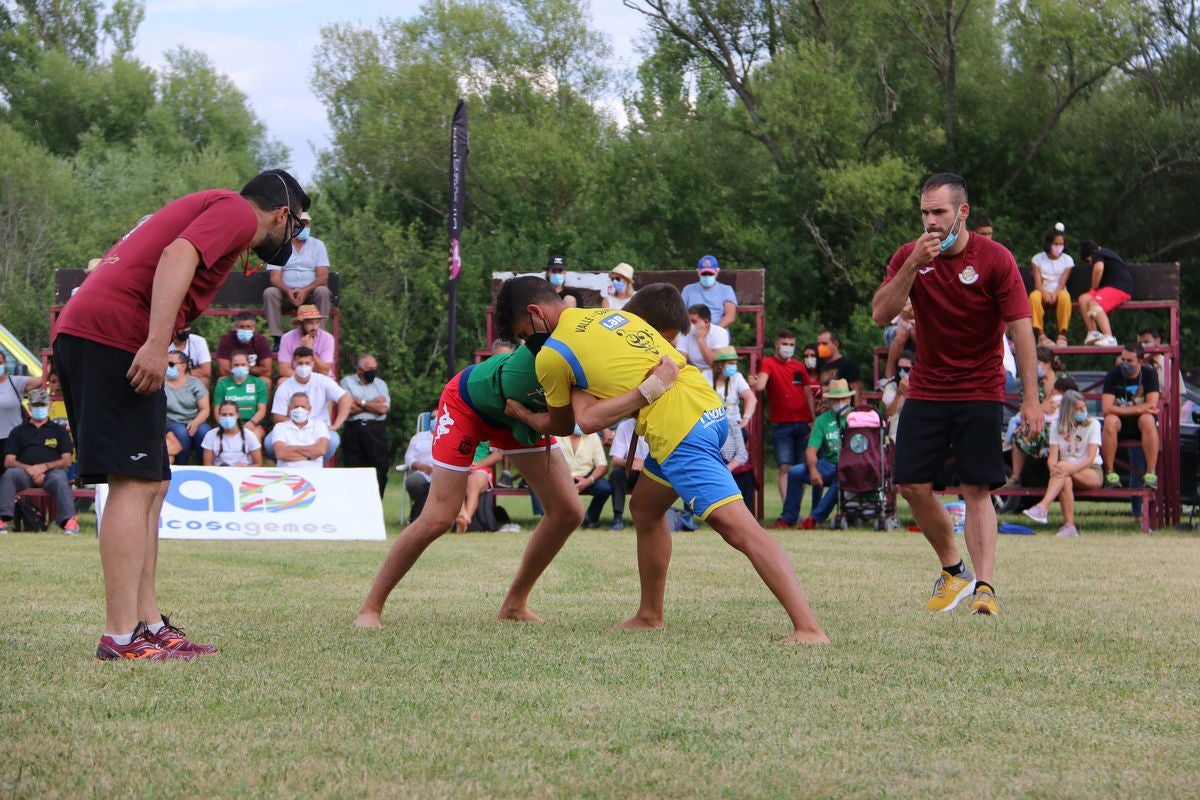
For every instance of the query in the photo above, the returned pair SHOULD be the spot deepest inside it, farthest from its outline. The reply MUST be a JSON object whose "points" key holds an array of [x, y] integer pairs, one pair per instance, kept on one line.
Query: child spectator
{"points": [[1111, 286], [1051, 269], [1074, 461], [231, 444], [245, 390]]}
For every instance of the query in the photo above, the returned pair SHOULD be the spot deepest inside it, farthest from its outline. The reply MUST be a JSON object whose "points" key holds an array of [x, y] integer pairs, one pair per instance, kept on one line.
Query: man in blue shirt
{"points": [[303, 280], [719, 297]]}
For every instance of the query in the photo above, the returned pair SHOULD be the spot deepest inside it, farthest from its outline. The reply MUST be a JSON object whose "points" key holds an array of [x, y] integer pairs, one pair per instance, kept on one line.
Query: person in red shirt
{"points": [[790, 402], [966, 291], [110, 353]]}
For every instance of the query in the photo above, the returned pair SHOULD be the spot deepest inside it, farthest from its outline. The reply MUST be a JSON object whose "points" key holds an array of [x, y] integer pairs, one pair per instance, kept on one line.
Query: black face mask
{"points": [[369, 375], [537, 338], [278, 254], [182, 336]]}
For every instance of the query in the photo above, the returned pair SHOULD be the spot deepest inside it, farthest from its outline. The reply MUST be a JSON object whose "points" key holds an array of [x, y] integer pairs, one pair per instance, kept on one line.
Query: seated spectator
{"points": [[740, 402], [479, 483], [187, 407], [707, 291], [231, 443], [320, 391], [1130, 407], [820, 462], [195, 347], [247, 391], [1049, 395], [898, 337], [832, 364], [556, 274], [1051, 269], [698, 344], [301, 441], [37, 454], [302, 281], [366, 428], [619, 454], [790, 402], [896, 392], [737, 458], [1148, 337], [307, 332], [244, 338], [1074, 461], [585, 460], [1112, 285], [981, 224], [418, 461], [620, 287]]}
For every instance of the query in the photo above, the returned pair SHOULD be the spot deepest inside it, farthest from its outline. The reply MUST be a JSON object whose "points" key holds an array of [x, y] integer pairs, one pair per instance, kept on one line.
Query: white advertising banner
{"points": [[250, 503]]}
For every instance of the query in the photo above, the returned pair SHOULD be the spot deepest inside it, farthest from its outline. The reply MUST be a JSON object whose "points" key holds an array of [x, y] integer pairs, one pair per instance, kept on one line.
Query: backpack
{"points": [[27, 518], [489, 516]]}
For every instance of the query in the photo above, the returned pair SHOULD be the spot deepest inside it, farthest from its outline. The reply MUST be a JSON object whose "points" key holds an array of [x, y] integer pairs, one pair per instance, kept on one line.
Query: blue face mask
{"points": [[1081, 416], [949, 241], [303, 235], [172, 372], [240, 372], [730, 370], [708, 281], [40, 412], [578, 431], [1128, 369], [557, 279], [1041, 370], [228, 423], [244, 336], [618, 285]]}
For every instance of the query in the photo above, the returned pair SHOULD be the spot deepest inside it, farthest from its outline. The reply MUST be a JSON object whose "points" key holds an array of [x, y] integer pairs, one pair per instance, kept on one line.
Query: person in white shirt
{"points": [[232, 444], [1051, 270], [418, 461], [301, 442], [195, 347], [618, 453], [1075, 461], [304, 279], [321, 391], [620, 286], [731, 385], [698, 344]]}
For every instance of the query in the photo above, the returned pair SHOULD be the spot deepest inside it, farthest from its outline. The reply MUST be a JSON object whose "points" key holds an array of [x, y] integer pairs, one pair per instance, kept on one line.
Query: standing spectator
{"points": [[833, 365], [303, 280], [111, 366], [698, 344], [12, 393], [619, 455], [418, 463], [301, 441], [966, 290], [187, 407], [982, 225], [587, 465], [199, 358], [790, 403], [321, 391], [896, 391], [898, 337], [1130, 407], [620, 286], [245, 338], [1074, 461], [556, 274], [37, 454], [246, 390], [1112, 285], [719, 297], [307, 332], [820, 462], [366, 429], [740, 402], [1051, 269], [231, 443]]}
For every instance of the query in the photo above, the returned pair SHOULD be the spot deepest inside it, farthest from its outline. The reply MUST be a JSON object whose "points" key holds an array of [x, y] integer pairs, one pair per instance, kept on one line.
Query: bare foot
{"points": [[806, 637], [519, 615], [640, 624], [462, 523], [367, 619]]}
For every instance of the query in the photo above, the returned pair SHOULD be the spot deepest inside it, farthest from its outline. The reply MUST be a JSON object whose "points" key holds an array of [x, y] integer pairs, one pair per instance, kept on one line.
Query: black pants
{"points": [[621, 486], [365, 445]]}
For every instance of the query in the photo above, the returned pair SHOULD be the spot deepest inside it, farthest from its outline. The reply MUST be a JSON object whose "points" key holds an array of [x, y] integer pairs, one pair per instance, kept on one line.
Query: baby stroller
{"points": [[865, 491]]}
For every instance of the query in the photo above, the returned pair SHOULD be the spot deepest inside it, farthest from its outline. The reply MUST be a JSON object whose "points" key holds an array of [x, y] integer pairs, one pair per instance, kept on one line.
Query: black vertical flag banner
{"points": [[460, 143]]}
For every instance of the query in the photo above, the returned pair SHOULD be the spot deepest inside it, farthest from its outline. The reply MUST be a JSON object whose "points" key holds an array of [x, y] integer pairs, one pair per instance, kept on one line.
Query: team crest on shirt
{"points": [[968, 275], [642, 340]]}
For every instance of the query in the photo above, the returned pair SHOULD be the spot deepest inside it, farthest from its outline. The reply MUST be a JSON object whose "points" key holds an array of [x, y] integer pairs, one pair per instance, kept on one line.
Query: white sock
{"points": [[155, 627], [121, 639]]}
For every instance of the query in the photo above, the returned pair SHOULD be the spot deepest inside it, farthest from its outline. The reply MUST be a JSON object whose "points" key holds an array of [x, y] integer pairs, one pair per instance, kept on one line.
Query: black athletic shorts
{"points": [[117, 431], [932, 432]]}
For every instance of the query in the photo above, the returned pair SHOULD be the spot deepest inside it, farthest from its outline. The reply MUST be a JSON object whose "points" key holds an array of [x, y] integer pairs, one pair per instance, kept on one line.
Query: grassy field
{"points": [[1086, 686]]}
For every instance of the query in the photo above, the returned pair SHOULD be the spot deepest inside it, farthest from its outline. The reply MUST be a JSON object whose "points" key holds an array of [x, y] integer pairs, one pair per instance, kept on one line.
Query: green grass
{"points": [[1085, 687]]}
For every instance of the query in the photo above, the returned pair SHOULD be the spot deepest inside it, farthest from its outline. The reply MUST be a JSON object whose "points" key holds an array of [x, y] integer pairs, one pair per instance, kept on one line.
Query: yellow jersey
{"points": [[606, 352]]}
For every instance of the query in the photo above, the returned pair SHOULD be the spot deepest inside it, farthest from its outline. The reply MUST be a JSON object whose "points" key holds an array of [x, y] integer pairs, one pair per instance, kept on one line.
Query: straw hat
{"points": [[838, 389], [306, 312]]}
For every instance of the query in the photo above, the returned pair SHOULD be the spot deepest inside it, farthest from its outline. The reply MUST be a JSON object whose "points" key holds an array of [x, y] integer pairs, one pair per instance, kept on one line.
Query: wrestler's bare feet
{"points": [[640, 623], [461, 523], [367, 619], [806, 637], [515, 614]]}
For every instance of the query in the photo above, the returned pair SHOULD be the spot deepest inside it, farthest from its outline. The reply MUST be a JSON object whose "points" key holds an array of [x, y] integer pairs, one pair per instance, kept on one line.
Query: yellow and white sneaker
{"points": [[984, 603], [949, 590]]}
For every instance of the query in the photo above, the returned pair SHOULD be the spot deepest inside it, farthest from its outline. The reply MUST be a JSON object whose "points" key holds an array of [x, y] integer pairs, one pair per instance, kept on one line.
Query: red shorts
{"points": [[458, 429], [1109, 298]]}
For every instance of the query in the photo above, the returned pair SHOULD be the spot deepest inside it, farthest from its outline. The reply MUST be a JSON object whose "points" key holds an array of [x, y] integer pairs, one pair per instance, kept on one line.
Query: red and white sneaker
{"points": [[71, 527], [142, 647], [171, 638]]}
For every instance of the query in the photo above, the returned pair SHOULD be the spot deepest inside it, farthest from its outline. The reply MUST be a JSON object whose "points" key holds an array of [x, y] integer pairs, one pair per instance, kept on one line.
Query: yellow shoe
{"points": [[949, 590], [984, 603]]}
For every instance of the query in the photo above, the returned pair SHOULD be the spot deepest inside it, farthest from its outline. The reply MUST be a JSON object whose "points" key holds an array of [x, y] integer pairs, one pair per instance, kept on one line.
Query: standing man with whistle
{"points": [[966, 291]]}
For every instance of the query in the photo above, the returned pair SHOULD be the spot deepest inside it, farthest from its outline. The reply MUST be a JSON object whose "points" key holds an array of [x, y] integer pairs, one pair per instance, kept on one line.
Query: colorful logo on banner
{"points": [[269, 491]]}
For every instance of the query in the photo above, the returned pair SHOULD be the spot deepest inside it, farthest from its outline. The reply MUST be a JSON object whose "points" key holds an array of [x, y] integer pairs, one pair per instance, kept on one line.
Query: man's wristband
{"points": [[652, 388]]}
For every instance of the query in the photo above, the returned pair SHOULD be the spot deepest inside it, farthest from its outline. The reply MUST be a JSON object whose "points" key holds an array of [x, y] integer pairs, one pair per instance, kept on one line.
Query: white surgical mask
{"points": [[787, 350], [298, 415], [811, 362], [304, 371], [244, 336]]}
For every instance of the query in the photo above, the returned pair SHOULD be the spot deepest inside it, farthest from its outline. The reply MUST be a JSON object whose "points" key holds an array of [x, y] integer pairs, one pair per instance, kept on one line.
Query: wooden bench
{"points": [[44, 503], [1149, 498]]}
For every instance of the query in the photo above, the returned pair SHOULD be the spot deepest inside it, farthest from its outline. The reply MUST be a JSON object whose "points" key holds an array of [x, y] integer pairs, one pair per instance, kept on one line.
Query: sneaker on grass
{"points": [[71, 527], [142, 647], [1067, 531], [983, 604], [170, 637], [949, 590]]}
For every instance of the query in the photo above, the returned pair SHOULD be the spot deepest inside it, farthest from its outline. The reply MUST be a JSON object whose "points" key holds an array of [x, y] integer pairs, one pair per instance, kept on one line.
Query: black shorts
{"points": [[932, 432], [117, 431]]}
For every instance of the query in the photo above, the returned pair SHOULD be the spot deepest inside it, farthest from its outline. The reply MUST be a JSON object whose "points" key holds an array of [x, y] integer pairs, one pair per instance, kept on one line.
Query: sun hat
{"points": [[622, 269], [306, 312], [838, 389], [725, 354]]}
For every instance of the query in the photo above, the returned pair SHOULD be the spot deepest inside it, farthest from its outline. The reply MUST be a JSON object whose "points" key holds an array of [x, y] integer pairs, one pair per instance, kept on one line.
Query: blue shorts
{"points": [[790, 439], [695, 469]]}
